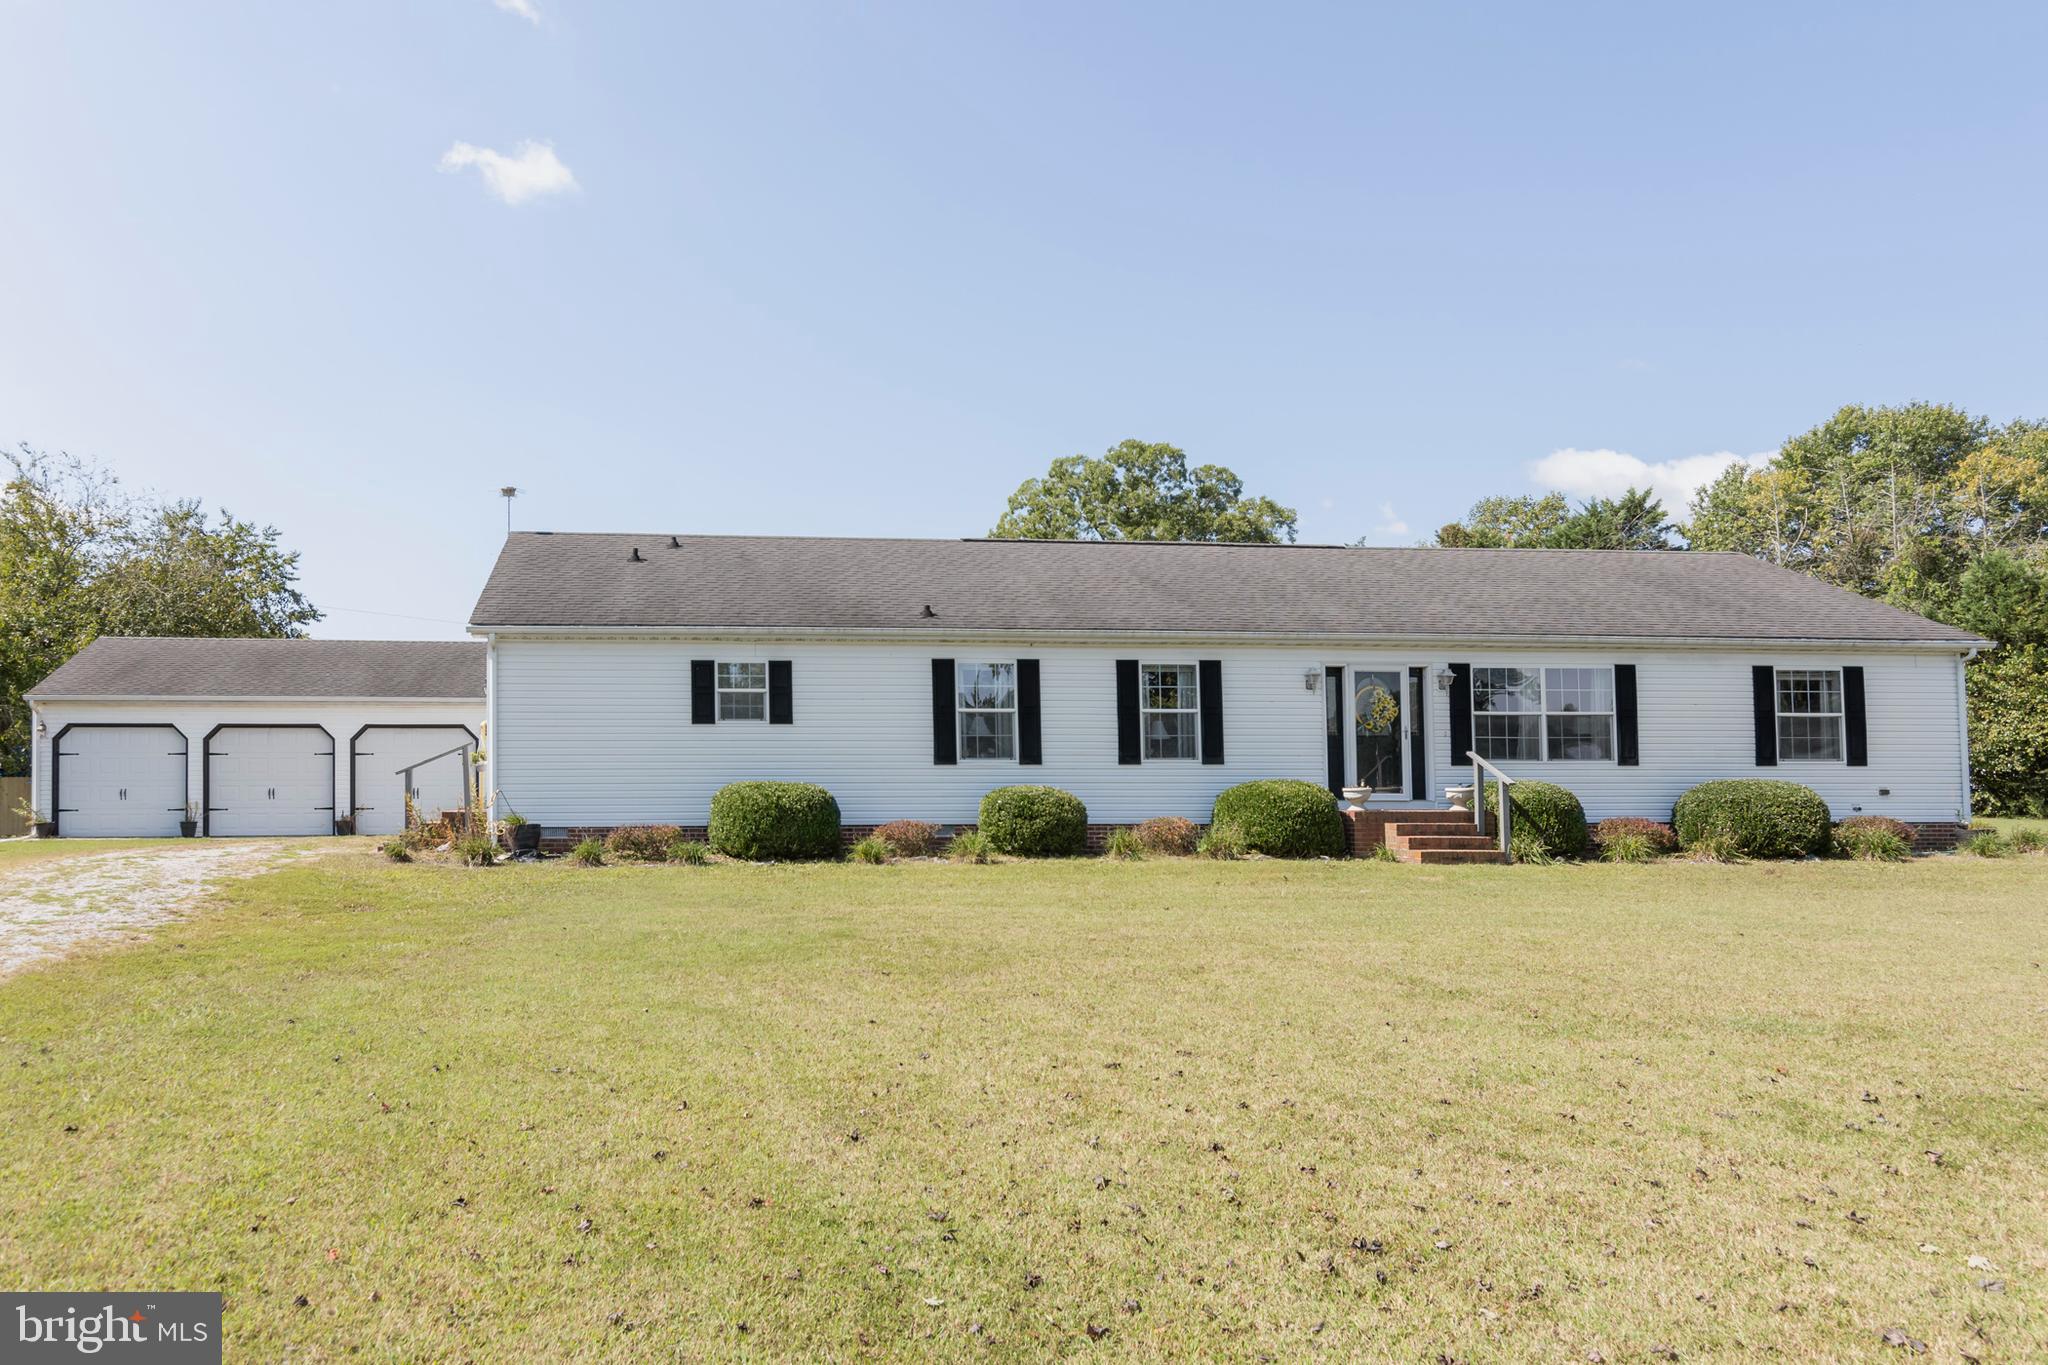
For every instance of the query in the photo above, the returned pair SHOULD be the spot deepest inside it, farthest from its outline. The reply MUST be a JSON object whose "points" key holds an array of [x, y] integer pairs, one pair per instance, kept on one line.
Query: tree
{"points": [[1141, 491], [80, 559], [1634, 521]]}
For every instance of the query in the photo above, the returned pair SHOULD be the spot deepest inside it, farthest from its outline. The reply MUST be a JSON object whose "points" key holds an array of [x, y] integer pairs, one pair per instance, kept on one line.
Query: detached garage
{"points": [[255, 737]]}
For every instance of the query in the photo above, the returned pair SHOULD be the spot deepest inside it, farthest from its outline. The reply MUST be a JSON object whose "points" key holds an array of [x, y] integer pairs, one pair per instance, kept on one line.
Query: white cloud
{"points": [[525, 9], [1609, 473], [534, 170], [1390, 526]]}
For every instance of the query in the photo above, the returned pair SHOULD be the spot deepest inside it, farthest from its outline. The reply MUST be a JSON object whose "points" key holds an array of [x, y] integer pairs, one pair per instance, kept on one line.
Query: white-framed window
{"points": [[1578, 714], [742, 691], [1810, 715], [1560, 715], [1169, 711], [986, 700]]}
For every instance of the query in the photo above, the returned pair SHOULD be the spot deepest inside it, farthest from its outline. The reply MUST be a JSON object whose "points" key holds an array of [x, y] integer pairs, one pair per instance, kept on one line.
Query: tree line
{"points": [[81, 557]]}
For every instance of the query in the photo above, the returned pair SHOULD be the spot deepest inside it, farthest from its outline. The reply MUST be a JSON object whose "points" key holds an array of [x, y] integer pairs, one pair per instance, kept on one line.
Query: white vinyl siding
{"points": [[595, 732], [1696, 721]]}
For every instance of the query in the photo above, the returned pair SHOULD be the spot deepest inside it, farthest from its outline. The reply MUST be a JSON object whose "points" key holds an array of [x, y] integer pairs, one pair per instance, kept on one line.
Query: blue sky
{"points": [[851, 270]]}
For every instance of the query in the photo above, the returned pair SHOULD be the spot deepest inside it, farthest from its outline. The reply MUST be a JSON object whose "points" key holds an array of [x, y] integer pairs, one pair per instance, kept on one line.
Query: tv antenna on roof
{"points": [[508, 492]]}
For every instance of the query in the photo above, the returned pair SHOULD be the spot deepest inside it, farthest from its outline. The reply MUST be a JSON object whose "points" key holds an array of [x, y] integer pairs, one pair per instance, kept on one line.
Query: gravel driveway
{"points": [[49, 909]]}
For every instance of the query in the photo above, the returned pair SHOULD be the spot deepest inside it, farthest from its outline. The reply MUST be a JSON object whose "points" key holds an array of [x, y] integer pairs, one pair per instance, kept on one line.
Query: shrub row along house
{"points": [[629, 677]]}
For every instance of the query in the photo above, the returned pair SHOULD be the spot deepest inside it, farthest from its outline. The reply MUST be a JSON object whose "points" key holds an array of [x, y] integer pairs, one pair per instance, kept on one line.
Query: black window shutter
{"points": [[703, 692], [1763, 687], [1461, 715], [1855, 728], [1029, 749], [1209, 684], [1130, 747], [945, 730], [1626, 753], [781, 705]]}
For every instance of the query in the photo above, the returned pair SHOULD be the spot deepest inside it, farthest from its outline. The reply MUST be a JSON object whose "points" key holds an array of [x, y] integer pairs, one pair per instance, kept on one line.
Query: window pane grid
{"points": [[1810, 715], [1559, 714], [742, 691], [1169, 711], [986, 698]]}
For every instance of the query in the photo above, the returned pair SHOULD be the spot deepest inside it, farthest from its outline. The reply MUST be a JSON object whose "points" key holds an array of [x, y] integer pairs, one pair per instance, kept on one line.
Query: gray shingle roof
{"points": [[565, 579], [125, 666]]}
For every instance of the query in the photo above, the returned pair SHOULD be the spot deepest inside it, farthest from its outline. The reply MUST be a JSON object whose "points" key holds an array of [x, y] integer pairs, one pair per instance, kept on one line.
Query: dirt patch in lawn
{"points": [[51, 910]]}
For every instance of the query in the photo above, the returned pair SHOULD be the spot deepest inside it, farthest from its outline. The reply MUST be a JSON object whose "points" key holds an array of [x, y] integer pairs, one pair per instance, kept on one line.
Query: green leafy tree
{"points": [[80, 559], [1634, 521], [1139, 490]]}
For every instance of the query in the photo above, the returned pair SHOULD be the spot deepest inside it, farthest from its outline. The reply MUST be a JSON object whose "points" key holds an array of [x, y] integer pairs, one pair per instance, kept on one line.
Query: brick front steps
{"points": [[1418, 835]]}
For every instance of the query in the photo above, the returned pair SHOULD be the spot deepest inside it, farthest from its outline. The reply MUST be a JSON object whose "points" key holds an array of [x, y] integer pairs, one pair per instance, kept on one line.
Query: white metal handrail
{"points": [[1480, 768]]}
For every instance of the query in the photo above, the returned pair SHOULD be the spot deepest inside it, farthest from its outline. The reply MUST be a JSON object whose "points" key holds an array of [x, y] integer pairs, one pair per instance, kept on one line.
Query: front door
{"points": [[1378, 736]]}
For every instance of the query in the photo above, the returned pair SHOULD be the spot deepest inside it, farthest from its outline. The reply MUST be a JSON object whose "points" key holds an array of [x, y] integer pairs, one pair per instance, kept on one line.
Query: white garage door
{"points": [[120, 781], [431, 763], [270, 779]]}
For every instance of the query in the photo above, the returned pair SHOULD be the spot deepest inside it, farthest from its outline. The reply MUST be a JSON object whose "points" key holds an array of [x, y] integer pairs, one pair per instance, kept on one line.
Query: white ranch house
{"points": [[633, 675], [622, 679]]}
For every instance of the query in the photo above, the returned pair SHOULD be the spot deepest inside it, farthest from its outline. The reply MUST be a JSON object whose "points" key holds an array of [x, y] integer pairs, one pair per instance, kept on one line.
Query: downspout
{"points": [[490, 764], [1963, 726]]}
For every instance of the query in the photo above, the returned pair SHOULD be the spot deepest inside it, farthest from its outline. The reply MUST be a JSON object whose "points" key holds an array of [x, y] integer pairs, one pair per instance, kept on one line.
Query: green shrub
{"points": [[1629, 846], [1169, 835], [873, 849], [477, 850], [1380, 853], [1898, 828], [2028, 841], [1224, 841], [1989, 844], [642, 843], [397, 850], [909, 838], [1527, 847], [1283, 818], [968, 846], [1547, 813], [1034, 822], [1872, 843], [775, 821], [1652, 836], [1758, 817], [689, 852], [590, 853], [1713, 848], [1124, 844]]}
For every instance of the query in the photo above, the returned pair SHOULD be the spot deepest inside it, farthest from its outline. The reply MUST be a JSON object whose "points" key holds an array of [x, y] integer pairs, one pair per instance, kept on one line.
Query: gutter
{"points": [[1104, 637], [208, 699]]}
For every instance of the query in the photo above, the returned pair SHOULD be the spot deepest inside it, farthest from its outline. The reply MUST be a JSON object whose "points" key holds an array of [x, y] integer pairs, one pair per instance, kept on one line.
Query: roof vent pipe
{"points": [[635, 556], [928, 614], [674, 544]]}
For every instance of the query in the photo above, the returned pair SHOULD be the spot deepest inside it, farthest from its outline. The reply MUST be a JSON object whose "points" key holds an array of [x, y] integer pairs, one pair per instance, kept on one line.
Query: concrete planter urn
{"points": [[1459, 797]]}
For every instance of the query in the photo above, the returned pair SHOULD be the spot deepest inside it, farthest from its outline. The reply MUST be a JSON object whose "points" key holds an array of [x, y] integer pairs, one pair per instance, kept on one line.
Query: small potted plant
{"points": [[525, 835], [189, 826]]}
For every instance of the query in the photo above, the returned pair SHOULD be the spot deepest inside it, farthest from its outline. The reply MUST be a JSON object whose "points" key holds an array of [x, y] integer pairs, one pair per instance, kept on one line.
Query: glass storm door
{"points": [[1377, 732]]}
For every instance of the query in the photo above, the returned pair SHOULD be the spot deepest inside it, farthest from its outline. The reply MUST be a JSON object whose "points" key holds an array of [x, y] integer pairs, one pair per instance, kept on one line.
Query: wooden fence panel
{"points": [[13, 791]]}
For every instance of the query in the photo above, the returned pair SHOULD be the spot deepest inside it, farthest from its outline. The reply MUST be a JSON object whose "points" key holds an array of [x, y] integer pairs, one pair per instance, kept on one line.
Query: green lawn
{"points": [[1217, 1111]]}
